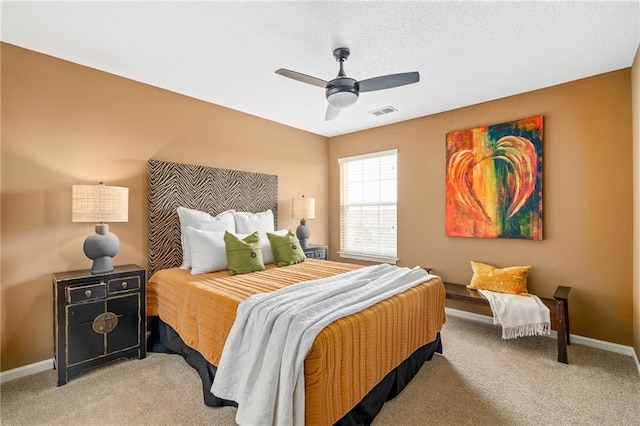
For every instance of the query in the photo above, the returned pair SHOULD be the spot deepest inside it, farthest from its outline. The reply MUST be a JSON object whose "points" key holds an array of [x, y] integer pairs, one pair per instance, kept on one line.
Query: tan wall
{"points": [[64, 124], [635, 84], [587, 191]]}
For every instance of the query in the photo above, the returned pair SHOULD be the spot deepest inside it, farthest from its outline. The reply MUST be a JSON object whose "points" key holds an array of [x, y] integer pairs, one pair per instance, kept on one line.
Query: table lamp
{"points": [[303, 208], [100, 203]]}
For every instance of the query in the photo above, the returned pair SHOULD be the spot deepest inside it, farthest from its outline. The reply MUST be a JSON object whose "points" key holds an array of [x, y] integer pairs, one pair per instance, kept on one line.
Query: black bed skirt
{"points": [[164, 339]]}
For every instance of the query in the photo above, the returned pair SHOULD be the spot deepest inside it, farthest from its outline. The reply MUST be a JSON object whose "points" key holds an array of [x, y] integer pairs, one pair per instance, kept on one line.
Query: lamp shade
{"points": [[303, 208], [99, 203]]}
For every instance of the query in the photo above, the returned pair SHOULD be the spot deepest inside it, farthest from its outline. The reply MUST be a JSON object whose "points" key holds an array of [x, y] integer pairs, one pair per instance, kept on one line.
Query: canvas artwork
{"points": [[494, 181]]}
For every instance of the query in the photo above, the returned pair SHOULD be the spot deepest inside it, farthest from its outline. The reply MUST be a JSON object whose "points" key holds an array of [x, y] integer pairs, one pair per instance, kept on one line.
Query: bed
{"points": [[354, 365]]}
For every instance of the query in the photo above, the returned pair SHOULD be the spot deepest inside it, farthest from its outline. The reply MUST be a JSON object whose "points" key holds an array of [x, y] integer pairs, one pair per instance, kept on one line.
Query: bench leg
{"points": [[563, 335], [566, 321]]}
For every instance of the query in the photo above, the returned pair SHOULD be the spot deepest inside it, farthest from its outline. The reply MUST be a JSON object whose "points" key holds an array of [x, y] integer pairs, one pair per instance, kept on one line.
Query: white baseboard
{"points": [[26, 370], [586, 341], [47, 364]]}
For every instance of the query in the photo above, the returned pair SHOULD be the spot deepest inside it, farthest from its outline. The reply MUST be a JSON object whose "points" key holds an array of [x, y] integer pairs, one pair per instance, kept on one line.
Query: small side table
{"points": [[316, 252], [98, 318]]}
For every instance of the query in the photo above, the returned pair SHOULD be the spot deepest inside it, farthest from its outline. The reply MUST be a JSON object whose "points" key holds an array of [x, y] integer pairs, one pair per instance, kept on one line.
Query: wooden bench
{"points": [[559, 307]]}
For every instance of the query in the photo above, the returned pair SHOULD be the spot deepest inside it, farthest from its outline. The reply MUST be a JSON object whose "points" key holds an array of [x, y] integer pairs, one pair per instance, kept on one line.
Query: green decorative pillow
{"points": [[506, 280], [243, 255], [286, 249]]}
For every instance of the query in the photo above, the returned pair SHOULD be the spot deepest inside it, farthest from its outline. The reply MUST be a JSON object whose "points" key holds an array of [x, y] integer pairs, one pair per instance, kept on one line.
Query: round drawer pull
{"points": [[124, 285], [87, 293]]}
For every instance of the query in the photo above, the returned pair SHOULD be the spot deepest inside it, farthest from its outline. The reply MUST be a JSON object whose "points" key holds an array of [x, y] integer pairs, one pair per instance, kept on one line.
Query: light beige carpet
{"points": [[480, 380]]}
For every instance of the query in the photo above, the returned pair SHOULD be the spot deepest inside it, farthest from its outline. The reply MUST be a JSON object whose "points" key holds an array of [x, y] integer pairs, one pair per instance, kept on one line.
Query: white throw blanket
{"points": [[262, 363], [519, 315]]}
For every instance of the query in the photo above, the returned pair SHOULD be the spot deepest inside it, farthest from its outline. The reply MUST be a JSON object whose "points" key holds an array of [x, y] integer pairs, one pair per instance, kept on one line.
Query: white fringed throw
{"points": [[519, 315]]}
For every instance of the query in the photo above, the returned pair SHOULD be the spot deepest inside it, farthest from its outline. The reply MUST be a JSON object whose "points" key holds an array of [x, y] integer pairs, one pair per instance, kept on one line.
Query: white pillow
{"points": [[204, 221], [267, 253], [248, 223], [208, 253]]}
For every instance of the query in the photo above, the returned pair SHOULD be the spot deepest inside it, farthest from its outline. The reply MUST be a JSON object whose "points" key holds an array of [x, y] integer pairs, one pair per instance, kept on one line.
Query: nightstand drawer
{"points": [[84, 293], [123, 284], [316, 252], [320, 253]]}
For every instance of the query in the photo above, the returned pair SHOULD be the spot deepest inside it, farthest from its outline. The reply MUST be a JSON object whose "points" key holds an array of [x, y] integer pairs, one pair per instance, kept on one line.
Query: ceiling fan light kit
{"points": [[343, 91], [342, 99]]}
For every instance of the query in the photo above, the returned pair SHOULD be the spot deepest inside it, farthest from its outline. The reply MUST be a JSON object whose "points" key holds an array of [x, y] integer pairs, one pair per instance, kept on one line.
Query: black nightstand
{"points": [[316, 252], [98, 318]]}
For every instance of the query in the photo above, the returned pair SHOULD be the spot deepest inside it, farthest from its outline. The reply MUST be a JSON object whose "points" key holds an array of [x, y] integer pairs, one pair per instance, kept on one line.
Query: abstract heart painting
{"points": [[494, 181]]}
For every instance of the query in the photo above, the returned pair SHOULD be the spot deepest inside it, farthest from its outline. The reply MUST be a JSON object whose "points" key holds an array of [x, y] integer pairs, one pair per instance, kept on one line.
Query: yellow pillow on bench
{"points": [[506, 280]]}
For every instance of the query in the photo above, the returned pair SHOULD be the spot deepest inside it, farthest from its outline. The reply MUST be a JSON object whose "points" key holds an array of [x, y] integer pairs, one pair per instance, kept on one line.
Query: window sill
{"points": [[368, 257]]}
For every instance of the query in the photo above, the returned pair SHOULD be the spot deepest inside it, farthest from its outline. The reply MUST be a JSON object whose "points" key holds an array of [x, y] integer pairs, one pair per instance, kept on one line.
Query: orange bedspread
{"points": [[347, 359]]}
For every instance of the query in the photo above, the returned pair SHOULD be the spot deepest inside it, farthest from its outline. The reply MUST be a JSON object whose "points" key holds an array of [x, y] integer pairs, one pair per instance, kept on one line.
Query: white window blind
{"points": [[368, 206]]}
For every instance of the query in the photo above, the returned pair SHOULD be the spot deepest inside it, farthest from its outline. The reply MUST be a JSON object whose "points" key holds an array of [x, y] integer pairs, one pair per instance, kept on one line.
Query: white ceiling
{"points": [[226, 52]]}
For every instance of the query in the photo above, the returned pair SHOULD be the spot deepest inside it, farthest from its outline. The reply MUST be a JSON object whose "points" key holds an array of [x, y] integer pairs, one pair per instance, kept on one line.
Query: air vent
{"points": [[383, 111]]}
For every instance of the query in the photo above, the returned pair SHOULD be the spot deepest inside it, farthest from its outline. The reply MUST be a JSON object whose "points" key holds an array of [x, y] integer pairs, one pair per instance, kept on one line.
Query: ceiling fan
{"points": [[343, 91]]}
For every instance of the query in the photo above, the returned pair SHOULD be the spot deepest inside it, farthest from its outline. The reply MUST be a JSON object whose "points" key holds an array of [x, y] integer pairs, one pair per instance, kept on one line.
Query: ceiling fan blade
{"points": [[332, 113], [302, 77], [388, 81]]}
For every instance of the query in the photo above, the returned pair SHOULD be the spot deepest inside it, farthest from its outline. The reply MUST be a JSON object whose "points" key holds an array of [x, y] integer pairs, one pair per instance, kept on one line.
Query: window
{"points": [[368, 206]]}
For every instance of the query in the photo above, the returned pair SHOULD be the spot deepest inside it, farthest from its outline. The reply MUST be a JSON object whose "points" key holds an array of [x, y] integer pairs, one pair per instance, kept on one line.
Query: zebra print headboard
{"points": [[209, 189]]}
